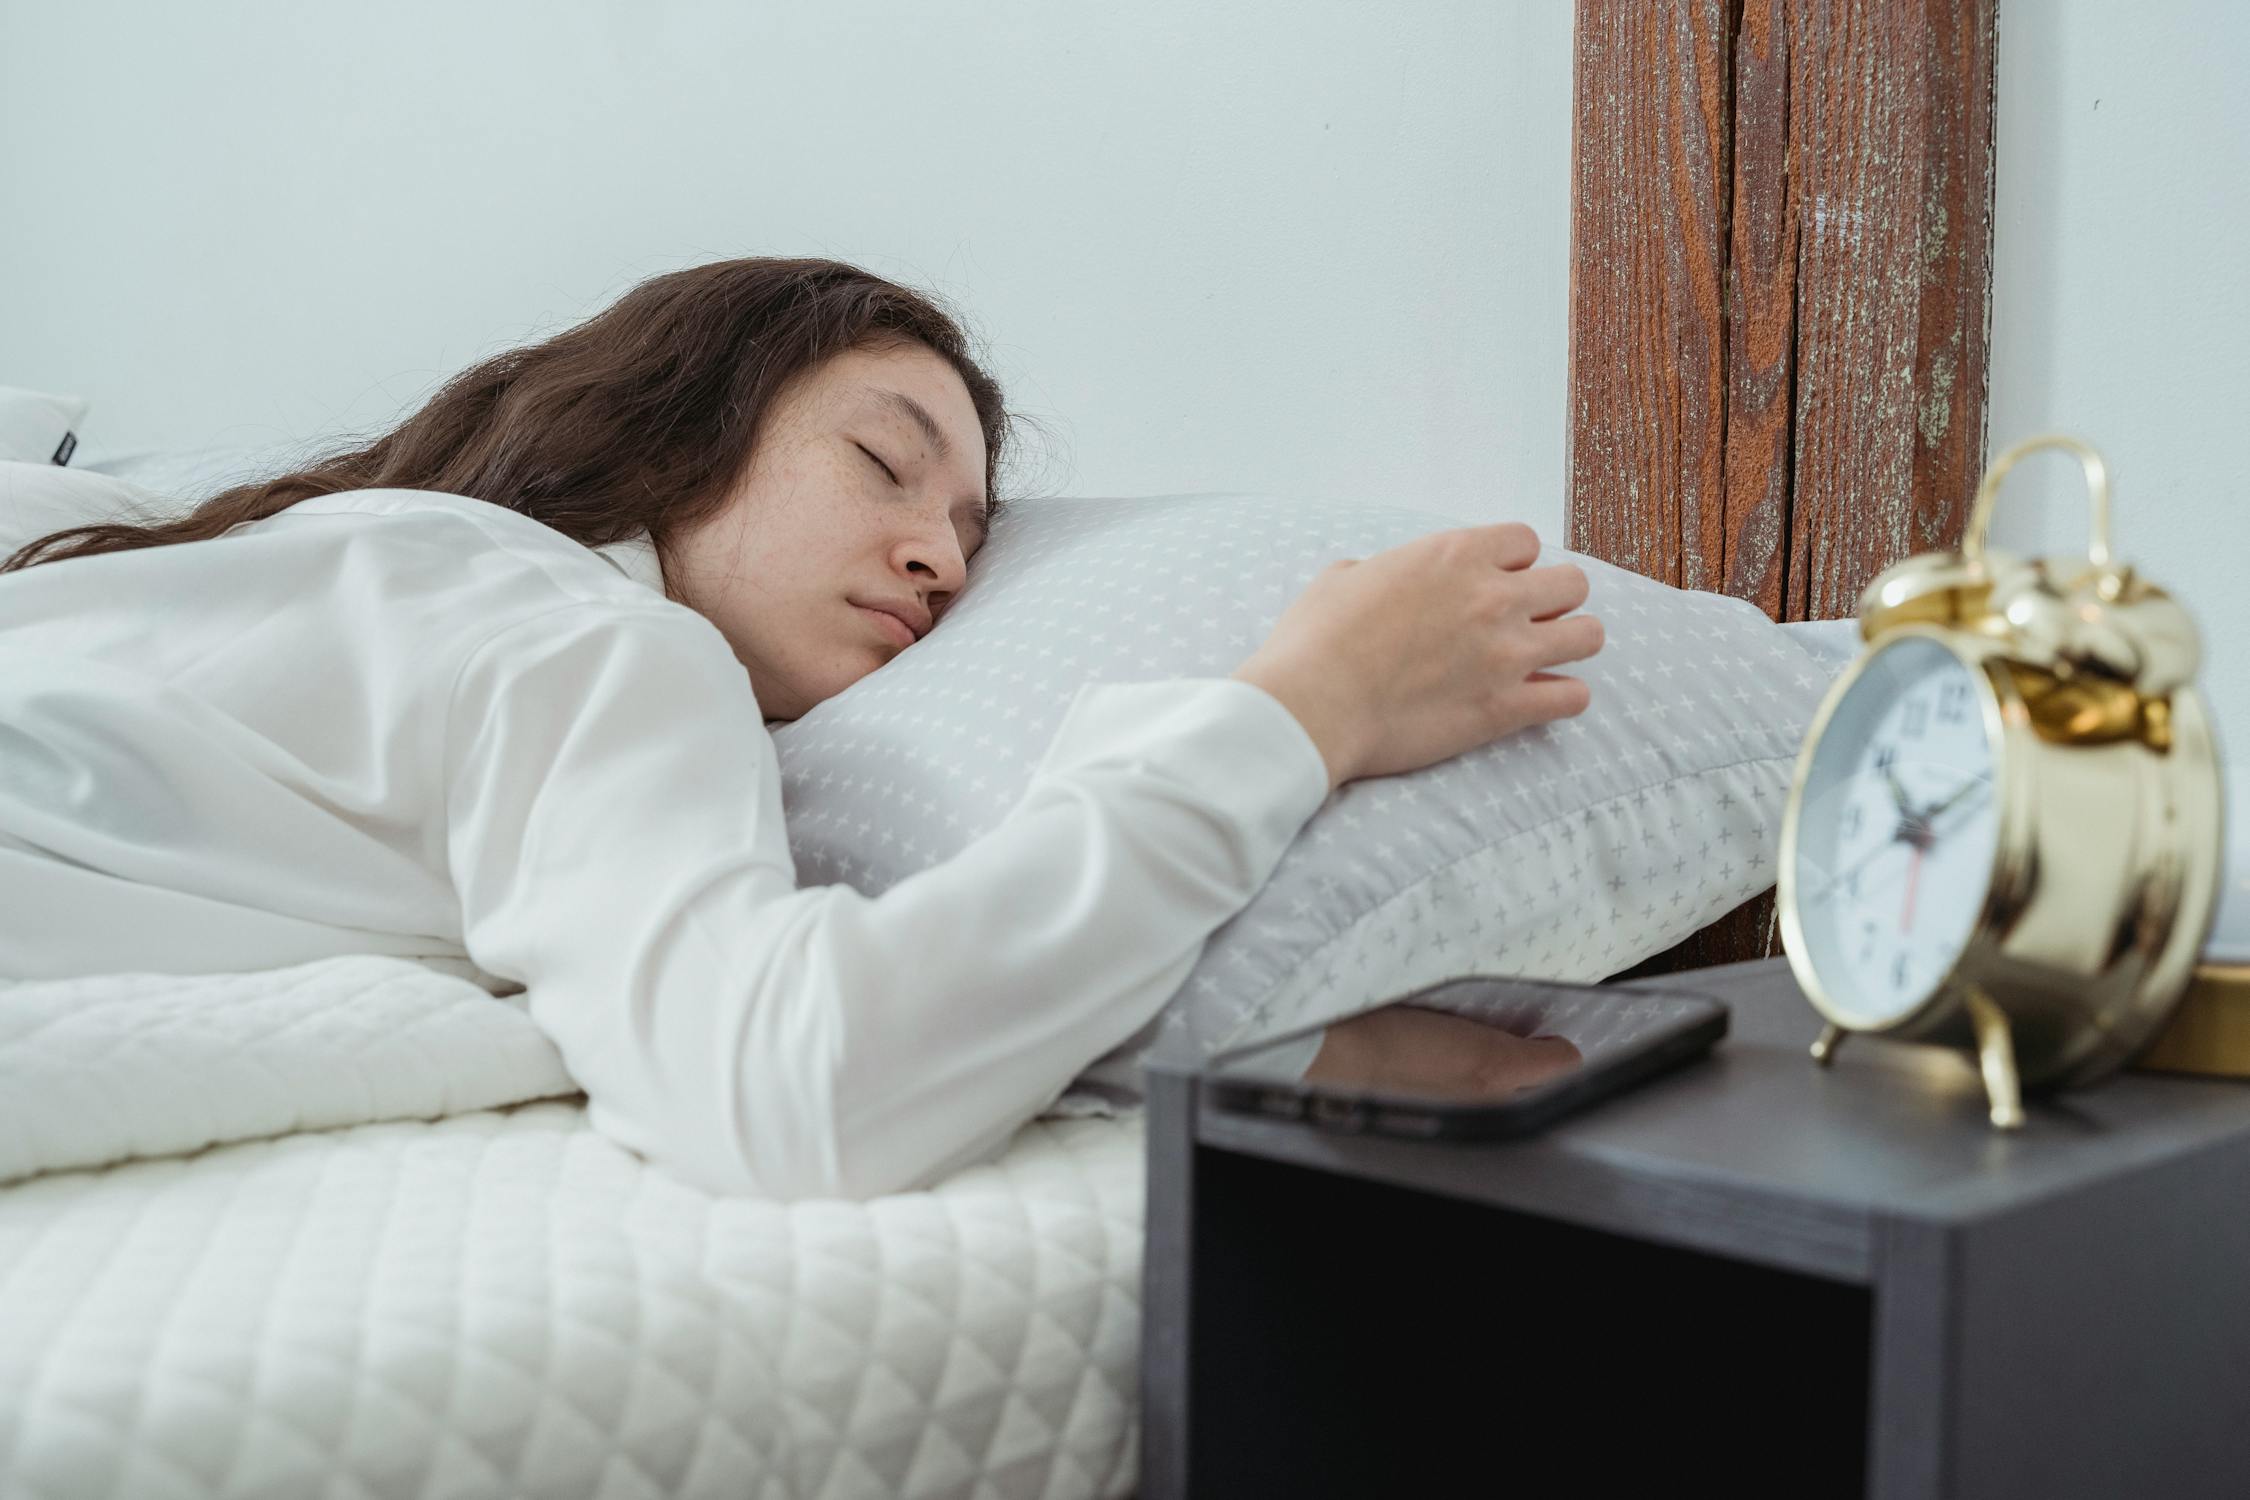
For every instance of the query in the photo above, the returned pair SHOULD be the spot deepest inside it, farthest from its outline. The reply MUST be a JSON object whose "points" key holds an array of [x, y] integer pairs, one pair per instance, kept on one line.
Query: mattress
{"points": [[199, 1297]]}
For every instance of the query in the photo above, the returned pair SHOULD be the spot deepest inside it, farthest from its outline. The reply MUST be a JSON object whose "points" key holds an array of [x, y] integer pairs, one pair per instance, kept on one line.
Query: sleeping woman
{"points": [[491, 693]]}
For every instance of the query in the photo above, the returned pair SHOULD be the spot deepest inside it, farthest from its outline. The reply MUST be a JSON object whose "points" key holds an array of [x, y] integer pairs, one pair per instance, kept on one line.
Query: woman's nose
{"points": [[941, 557]]}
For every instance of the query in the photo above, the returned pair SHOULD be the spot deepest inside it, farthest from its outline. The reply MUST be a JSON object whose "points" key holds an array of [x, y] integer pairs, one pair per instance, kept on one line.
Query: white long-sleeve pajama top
{"points": [[409, 723]]}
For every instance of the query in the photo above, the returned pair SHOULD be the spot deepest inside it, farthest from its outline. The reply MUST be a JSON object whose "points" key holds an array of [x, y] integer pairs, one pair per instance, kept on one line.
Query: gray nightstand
{"points": [[1752, 1273]]}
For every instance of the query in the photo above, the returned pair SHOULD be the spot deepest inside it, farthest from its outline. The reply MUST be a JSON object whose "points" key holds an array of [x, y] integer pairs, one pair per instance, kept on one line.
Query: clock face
{"points": [[1896, 832]]}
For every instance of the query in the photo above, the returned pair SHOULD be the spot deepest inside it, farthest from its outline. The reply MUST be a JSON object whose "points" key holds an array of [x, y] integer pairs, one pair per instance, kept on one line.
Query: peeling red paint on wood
{"points": [[1761, 314], [1648, 342], [1780, 294], [1891, 109]]}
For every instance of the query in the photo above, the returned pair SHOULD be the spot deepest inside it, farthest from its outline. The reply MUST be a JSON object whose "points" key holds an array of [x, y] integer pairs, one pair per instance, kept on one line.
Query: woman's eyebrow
{"points": [[913, 410]]}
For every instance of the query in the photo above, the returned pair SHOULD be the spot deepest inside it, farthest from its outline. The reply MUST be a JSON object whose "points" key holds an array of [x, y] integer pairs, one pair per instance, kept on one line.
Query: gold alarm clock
{"points": [[2004, 828]]}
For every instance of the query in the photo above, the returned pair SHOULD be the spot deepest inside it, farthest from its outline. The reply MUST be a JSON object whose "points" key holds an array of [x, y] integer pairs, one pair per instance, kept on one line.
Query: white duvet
{"points": [[397, 1262]]}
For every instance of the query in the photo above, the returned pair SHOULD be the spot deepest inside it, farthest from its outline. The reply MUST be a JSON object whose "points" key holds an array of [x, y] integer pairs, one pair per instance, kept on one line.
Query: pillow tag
{"points": [[65, 448]]}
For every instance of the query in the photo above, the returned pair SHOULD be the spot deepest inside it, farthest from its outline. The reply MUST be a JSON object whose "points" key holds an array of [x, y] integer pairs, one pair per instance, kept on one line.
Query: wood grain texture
{"points": [[1891, 130], [1749, 931], [1649, 177], [1761, 315], [1780, 294]]}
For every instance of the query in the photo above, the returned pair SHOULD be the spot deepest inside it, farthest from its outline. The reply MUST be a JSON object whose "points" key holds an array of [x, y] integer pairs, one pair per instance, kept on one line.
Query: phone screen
{"points": [[1476, 1044]]}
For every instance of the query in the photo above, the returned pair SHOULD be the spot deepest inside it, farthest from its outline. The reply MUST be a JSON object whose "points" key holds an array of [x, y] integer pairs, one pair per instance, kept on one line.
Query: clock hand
{"points": [[1898, 793], [1916, 830], [1961, 791], [1842, 876], [1926, 831], [1918, 836]]}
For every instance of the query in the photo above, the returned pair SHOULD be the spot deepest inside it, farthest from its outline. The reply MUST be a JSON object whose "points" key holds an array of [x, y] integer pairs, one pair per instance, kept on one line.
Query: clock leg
{"points": [[1996, 1051], [1824, 1050]]}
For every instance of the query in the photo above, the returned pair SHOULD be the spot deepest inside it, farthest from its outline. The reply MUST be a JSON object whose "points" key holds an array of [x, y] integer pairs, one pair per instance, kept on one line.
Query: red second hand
{"points": [[1913, 874]]}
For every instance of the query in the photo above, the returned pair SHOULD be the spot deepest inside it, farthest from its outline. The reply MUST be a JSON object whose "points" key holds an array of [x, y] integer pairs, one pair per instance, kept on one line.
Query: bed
{"points": [[313, 1282], [374, 1249], [343, 1229]]}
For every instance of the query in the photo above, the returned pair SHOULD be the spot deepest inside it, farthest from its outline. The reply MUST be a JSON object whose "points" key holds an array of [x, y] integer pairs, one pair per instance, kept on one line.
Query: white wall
{"points": [[1309, 247], [2120, 310], [1306, 247]]}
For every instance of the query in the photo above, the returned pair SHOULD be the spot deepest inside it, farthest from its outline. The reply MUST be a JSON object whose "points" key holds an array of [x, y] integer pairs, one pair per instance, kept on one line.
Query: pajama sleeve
{"points": [[614, 828]]}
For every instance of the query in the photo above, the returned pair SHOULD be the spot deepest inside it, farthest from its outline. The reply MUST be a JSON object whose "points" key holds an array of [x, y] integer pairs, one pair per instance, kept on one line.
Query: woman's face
{"points": [[850, 501]]}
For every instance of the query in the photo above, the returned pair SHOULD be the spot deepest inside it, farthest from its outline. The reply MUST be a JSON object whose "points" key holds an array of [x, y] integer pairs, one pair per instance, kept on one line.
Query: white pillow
{"points": [[138, 488], [1570, 851], [187, 477], [1834, 642], [38, 428], [39, 498]]}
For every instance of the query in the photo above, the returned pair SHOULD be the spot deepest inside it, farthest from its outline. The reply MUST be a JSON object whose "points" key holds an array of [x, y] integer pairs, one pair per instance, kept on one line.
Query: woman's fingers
{"points": [[1552, 591], [1511, 544], [1549, 695], [1572, 638]]}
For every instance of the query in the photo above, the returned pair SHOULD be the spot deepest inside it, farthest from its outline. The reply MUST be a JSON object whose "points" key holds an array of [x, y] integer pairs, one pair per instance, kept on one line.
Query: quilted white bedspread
{"points": [[447, 1291]]}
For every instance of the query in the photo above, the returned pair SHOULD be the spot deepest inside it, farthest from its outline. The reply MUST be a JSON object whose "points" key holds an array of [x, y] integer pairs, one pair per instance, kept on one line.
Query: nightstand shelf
{"points": [[1754, 1271]]}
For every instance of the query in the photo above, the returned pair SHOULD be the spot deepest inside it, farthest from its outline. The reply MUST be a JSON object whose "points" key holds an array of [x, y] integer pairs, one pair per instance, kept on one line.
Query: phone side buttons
{"points": [[1338, 1114], [1285, 1106], [1398, 1122]]}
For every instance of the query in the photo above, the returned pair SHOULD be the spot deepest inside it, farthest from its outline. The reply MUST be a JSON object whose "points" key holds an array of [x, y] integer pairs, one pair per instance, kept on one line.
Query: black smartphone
{"points": [[1515, 1055]]}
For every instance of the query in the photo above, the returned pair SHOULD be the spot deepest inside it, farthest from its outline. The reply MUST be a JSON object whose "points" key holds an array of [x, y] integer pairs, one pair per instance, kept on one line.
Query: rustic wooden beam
{"points": [[1761, 315], [1890, 110], [1649, 173], [1780, 292]]}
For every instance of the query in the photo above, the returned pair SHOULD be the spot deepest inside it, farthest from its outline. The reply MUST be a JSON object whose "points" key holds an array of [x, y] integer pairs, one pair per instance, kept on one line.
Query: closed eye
{"points": [[886, 468], [981, 524]]}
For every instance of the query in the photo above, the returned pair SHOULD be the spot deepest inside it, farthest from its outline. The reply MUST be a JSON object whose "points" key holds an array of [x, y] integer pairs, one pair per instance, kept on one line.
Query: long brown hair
{"points": [[639, 418]]}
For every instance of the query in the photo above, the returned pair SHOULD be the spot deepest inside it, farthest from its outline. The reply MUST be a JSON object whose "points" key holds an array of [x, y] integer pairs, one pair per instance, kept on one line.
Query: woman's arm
{"points": [[616, 835]]}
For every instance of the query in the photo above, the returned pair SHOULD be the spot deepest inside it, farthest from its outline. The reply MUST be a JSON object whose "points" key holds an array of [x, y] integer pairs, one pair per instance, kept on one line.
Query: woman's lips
{"points": [[897, 629]]}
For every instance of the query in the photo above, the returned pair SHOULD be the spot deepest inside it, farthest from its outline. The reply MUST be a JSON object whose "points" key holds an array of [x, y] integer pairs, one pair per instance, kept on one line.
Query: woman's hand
{"points": [[1405, 1049], [1429, 650]]}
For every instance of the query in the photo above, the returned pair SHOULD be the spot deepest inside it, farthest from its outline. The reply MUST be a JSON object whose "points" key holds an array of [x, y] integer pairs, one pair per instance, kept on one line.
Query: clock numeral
{"points": [[1853, 820], [1953, 702], [1885, 757], [1915, 719], [1898, 973]]}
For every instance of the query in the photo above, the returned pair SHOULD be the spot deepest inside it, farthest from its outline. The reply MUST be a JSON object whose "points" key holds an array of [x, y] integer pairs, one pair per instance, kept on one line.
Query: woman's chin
{"points": [[838, 682], [812, 688]]}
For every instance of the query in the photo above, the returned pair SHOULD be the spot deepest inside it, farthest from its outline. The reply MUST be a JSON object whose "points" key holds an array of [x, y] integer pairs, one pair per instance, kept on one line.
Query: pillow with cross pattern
{"points": [[1570, 850]]}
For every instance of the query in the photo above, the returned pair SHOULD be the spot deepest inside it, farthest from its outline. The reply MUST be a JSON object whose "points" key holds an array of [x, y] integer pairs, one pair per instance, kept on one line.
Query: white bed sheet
{"points": [[201, 1294], [503, 1303]]}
